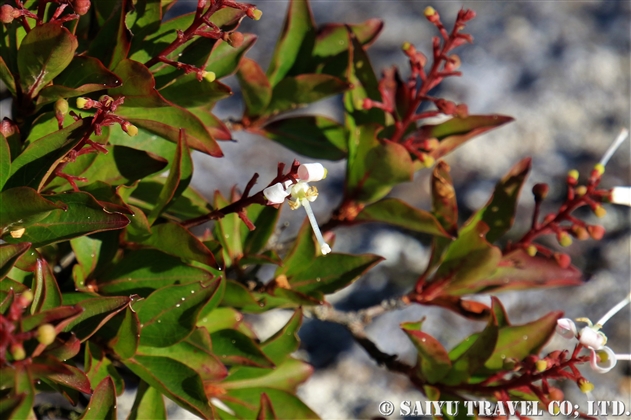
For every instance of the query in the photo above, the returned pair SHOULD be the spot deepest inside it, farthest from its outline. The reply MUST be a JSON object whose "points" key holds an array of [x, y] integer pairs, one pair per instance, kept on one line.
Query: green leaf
{"points": [[7, 77], [44, 53], [169, 314], [286, 376], [398, 213], [228, 231], [187, 92], [292, 92], [124, 165], [266, 412], [517, 271], [296, 41], [301, 254], [224, 58], [144, 19], [37, 162], [61, 313], [97, 367], [145, 270], [180, 176], [82, 76], [122, 333], [444, 203], [52, 369], [214, 124], [175, 240], [432, 360], [332, 39], [265, 219], [467, 362], [95, 251], [316, 137], [66, 346], [102, 405], [46, 293], [21, 206], [111, 45], [279, 346], [148, 404], [454, 132], [175, 380], [83, 215], [9, 254], [330, 273], [520, 341], [286, 405], [255, 87], [145, 107], [24, 387], [96, 312], [468, 260], [235, 348], [5, 161], [221, 319], [195, 352], [499, 212], [376, 166]]}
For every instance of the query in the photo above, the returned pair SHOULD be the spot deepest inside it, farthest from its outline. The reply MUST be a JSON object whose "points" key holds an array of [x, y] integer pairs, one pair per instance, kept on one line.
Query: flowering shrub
{"points": [[104, 277]]}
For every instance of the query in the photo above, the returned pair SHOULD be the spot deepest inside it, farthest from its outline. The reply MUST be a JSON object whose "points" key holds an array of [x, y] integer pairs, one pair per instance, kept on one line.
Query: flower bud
{"points": [[563, 260], [431, 14], [254, 13], [210, 76], [82, 103], [235, 39], [572, 177], [541, 365], [599, 168], [6, 13], [25, 299], [580, 233], [428, 161], [596, 232], [406, 46], [566, 328], [556, 394], [311, 172], [46, 334], [531, 250], [129, 128], [581, 190], [584, 385], [540, 191], [564, 239], [600, 211], [81, 7], [61, 108], [8, 128], [17, 351]]}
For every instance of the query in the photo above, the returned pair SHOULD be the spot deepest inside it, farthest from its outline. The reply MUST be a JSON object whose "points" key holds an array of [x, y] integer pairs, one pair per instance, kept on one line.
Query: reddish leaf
{"points": [[444, 204], [433, 360], [9, 254], [102, 405], [48, 367], [45, 289], [96, 312], [255, 88]]}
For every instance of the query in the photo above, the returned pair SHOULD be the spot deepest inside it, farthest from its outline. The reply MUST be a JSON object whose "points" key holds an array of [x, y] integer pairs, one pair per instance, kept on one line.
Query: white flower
{"points": [[603, 359], [310, 172], [302, 195], [621, 195], [566, 328], [276, 193]]}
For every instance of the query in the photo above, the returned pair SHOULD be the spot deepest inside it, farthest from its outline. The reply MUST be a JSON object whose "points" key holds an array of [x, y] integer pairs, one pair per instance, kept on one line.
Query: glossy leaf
{"points": [[221, 319], [122, 333], [194, 352], [279, 346], [316, 137], [24, 387], [83, 215], [175, 380], [186, 91], [499, 212], [95, 251], [214, 124], [46, 293], [144, 19], [235, 348], [286, 376], [175, 240], [224, 58], [444, 203], [98, 367], [228, 231], [266, 412], [51, 368], [82, 76], [332, 39], [102, 405], [456, 131], [292, 92], [61, 313], [37, 162], [9, 254], [124, 165], [96, 312], [7, 77], [255, 87], [22, 206], [468, 260], [376, 166], [148, 404], [168, 315], [44, 53], [432, 360], [145, 107], [294, 46], [146, 270], [398, 213], [5, 161], [66, 346], [286, 405], [112, 43], [265, 219]]}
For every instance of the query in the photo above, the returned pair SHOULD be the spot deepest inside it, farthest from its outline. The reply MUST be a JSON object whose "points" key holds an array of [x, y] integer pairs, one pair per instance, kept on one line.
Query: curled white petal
{"points": [[276, 193], [621, 195], [311, 172], [603, 360], [566, 328], [591, 338]]}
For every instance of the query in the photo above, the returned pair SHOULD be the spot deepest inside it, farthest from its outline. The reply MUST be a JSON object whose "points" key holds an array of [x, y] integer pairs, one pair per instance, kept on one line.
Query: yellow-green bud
{"points": [[581, 190], [257, 14], [573, 174], [210, 76], [600, 168], [585, 386], [531, 250], [564, 239], [428, 161], [46, 334], [132, 130], [429, 11], [27, 296], [541, 365], [406, 46], [17, 351], [81, 103], [61, 106], [600, 211]]}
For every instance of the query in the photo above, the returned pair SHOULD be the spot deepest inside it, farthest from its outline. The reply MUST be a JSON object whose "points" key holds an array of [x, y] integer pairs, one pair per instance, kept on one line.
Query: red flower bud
{"points": [[540, 191], [596, 232], [81, 7], [6, 13], [563, 260]]}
